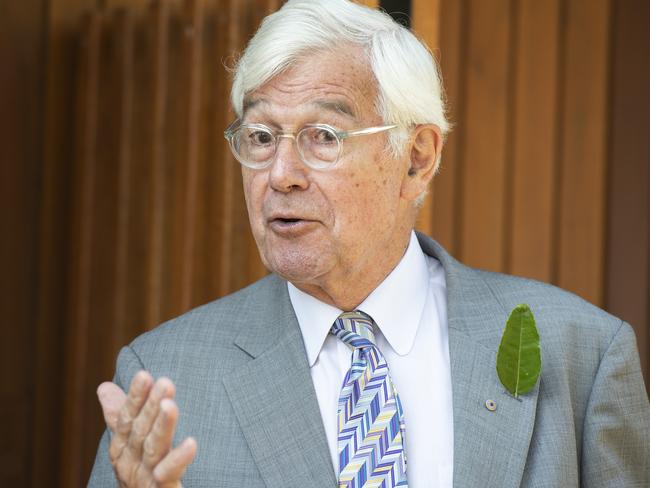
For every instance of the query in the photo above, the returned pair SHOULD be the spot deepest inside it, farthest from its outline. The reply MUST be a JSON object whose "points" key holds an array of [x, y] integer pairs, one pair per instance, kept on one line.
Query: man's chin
{"points": [[297, 269]]}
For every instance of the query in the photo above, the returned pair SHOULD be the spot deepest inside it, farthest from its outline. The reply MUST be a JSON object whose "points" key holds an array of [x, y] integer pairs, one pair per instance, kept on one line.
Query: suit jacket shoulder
{"points": [[587, 421]]}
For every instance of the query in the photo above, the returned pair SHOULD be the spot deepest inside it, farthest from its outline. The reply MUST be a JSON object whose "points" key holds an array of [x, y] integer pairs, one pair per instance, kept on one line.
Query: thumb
{"points": [[111, 397]]}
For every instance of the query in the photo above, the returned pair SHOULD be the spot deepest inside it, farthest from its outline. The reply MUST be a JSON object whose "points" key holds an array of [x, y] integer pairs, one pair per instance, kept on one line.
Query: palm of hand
{"points": [[142, 424]]}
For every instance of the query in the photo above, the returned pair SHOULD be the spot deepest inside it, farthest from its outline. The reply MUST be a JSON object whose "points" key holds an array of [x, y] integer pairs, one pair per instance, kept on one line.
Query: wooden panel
{"points": [[159, 25], [583, 154], [80, 258], [446, 190], [212, 74], [425, 24], [628, 228], [238, 259], [369, 3], [185, 258], [534, 139], [21, 104], [220, 164], [123, 102], [486, 119], [60, 28], [175, 167], [136, 189]]}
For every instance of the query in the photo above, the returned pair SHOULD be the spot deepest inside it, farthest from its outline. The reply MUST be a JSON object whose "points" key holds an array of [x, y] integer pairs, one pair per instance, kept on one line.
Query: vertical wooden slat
{"points": [[628, 227], [22, 51], [175, 169], [61, 27], [139, 87], [124, 105], [227, 178], [104, 330], [583, 154], [534, 140], [447, 189], [204, 266], [485, 119], [369, 3], [81, 255], [218, 82], [159, 18], [236, 265], [193, 45], [426, 14]]}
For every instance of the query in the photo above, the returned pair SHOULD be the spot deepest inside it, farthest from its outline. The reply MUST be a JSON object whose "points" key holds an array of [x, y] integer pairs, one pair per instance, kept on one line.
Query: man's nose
{"points": [[288, 172]]}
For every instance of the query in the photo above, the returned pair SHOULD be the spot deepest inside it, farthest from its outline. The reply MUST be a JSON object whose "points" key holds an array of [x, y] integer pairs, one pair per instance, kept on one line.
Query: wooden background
{"points": [[120, 205]]}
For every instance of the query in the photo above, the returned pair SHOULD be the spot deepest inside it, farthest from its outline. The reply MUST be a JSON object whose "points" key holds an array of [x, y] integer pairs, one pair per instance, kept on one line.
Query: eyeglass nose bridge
{"points": [[288, 135]]}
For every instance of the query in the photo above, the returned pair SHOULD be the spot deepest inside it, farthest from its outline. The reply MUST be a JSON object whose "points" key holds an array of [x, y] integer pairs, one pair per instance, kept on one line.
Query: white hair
{"points": [[408, 80]]}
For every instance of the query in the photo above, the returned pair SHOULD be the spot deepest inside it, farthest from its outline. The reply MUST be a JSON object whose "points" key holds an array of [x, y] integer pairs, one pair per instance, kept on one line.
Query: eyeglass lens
{"points": [[318, 146]]}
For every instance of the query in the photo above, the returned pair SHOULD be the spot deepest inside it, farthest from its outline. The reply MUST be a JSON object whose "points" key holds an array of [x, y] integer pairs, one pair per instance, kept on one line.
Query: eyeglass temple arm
{"points": [[369, 130]]}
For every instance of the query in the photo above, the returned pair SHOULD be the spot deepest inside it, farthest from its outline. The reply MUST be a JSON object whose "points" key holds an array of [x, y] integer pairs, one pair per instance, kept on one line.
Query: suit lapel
{"points": [[490, 447], [276, 406], [275, 402]]}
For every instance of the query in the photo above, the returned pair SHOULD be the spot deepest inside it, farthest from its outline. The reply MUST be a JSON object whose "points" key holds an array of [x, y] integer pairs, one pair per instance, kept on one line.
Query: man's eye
{"points": [[323, 136], [260, 138]]}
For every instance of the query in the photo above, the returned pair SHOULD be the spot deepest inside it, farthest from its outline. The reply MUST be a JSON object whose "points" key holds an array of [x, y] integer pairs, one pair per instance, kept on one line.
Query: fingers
{"points": [[138, 393], [143, 423], [159, 441], [173, 465], [112, 398]]}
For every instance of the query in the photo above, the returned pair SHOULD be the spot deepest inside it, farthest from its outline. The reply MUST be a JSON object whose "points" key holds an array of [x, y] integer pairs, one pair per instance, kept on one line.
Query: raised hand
{"points": [[143, 424]]}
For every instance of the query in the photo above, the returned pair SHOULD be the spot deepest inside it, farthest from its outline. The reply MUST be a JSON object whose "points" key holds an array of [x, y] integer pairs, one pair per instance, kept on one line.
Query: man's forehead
{"points": [[341, 83], [337, 106]]}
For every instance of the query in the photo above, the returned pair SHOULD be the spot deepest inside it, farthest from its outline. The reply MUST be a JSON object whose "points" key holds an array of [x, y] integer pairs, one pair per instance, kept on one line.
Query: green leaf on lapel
{"points": [[519, 360]]}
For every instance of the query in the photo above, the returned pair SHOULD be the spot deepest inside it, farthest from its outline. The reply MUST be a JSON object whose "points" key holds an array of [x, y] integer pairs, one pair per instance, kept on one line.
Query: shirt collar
{"points": [[396, 306]]}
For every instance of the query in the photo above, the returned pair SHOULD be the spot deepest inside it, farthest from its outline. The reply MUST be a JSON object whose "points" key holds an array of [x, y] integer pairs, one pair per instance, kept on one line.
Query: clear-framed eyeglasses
{"points": [[319, 145]]}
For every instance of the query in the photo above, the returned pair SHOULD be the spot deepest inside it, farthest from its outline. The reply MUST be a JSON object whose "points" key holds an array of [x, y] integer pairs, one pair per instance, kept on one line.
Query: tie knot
{"points": [[355, 329]]}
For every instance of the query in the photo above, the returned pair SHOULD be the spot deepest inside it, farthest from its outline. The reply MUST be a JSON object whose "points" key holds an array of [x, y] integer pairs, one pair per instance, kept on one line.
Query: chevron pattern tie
{"points": [[370, 415]]}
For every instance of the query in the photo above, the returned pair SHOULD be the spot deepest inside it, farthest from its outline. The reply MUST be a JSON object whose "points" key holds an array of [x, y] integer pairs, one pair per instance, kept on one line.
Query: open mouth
{"points": [[290, 226]]}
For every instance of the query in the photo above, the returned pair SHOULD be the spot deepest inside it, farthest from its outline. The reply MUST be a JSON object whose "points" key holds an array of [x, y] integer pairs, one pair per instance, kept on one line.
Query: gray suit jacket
{"points": [[245, 393]]}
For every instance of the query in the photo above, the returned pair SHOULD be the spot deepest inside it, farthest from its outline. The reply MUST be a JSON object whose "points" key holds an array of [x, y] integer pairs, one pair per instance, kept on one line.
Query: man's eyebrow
{"points": [[336, 106], [252, 102]]}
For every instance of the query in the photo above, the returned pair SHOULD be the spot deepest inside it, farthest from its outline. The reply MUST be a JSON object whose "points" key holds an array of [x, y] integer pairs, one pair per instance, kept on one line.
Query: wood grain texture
{"points": [[60, 28], [627, 290], [369, 3], [80, 257], [158, 19], [447, 189], [22, 53], [126, 266], [425, 24], [584, 149], [486, 123], [534, 140]]}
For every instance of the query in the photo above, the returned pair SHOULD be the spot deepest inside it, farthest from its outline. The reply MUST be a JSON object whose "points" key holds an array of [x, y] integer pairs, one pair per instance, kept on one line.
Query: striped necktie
{"points": [[370, 415]]}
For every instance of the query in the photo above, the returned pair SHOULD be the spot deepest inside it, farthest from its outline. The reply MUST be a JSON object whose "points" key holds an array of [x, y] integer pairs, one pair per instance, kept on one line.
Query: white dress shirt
{"points": [[410, 309]]}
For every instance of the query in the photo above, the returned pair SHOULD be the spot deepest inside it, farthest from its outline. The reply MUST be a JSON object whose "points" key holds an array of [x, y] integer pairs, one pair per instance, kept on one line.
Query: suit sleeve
{"points": [[616, 434], [102, 475]]}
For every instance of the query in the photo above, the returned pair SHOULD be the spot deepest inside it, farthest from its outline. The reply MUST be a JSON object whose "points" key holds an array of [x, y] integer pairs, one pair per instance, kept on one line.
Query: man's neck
{"points": [[348, 291]]}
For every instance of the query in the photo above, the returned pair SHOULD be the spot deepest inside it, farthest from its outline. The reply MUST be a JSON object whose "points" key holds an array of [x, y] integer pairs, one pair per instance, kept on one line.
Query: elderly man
{"points": [[368, 345]]}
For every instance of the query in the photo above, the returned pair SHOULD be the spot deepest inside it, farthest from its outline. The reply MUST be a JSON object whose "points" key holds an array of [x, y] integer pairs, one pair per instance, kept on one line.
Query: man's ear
{"points": [[425, 149]]}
